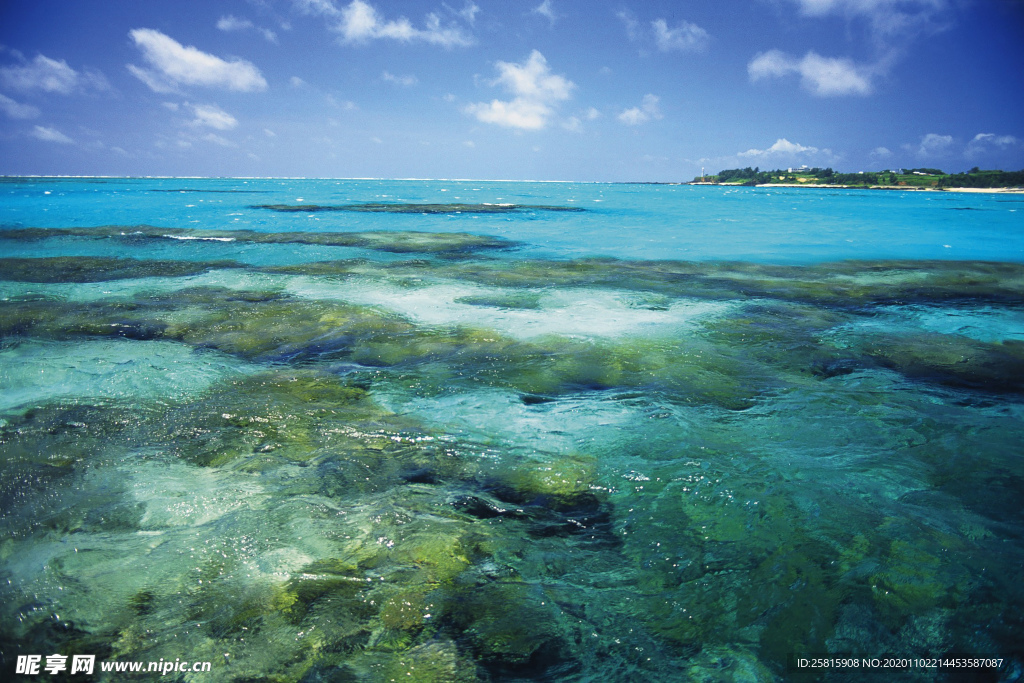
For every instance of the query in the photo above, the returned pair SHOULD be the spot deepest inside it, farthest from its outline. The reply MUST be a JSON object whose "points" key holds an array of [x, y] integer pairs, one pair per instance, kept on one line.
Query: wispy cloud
{"points": [[51, 135], [212, 116], [51, 75], [986, 143], [536, 92], [886, 18], [686, 37], [174, 65], [16, 110], [822, 76], [631, 25], [880, 153], [359, 22], [546, 10], [407, 80], [468, 11], [232, 23], [645, 112]]}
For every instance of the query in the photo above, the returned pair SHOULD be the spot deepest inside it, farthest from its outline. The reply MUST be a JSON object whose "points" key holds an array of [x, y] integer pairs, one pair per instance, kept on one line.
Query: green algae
{"points": [[513, 300], [394, 241], [99, 269], [274, 418], [950, 359], [425, 543], [840, 285]]}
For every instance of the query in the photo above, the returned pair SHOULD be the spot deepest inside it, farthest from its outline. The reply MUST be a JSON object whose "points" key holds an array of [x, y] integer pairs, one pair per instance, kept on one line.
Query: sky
{"points": [[580, 90]]}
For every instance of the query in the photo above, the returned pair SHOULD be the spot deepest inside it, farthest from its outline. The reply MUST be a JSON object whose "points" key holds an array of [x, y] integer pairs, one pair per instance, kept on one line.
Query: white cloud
{"points": [[218, 140], [344, 105], [233, 23], [545, 10], [822, 76], [984, 143], [468, 12], [782, 148], [50, 135], [642, 114], [631, 24], [685, 37], [933, 144], [592, 114], [296, 82], [406, 80], [573, 123], [16, 110], [536, 91], [269, 133], [886, 17], [174, 65], [51, 75], [881, 153], [359, 22], [212, 116]]}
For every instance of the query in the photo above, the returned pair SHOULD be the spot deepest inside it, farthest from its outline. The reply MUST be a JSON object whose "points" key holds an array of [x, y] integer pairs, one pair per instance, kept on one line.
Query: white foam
{"points": [[569, 311]]}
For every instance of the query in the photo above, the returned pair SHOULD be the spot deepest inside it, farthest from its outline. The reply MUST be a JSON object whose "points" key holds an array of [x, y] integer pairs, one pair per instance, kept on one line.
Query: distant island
{"points": [[901, 179]]}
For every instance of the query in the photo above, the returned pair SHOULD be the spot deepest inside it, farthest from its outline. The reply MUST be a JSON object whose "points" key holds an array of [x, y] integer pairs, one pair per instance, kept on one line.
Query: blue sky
{"points": [[538, 89]]}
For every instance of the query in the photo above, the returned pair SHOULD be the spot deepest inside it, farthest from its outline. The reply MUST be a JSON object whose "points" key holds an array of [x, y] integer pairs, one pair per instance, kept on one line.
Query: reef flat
{"points": [[467, 462]]}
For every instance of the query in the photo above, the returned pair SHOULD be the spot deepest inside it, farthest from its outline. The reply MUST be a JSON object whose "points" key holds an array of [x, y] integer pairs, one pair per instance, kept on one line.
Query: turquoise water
{"points": [[519, 432]]}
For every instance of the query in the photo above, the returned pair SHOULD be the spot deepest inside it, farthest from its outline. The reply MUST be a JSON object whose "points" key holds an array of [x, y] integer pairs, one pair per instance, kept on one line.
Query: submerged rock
{"points": [[950, 359], [417, 208], [99, 269], [395, 241]]}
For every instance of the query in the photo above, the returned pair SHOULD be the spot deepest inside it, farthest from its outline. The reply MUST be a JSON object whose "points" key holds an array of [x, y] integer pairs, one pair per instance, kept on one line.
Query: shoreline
{"points": [[904, 188]]}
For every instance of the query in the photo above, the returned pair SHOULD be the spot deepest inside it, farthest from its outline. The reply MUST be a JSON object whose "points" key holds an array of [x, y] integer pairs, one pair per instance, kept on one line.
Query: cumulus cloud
{"points": [[212, 116], [782, 148], [16, 110], [174, 65], [50, 135], [359, 22], [822, 76], [536, 91], [933, 145], [685, 37], [645, 112], [880, 153], [406, 80], [546, 10], [51, 75], [233, 23]]}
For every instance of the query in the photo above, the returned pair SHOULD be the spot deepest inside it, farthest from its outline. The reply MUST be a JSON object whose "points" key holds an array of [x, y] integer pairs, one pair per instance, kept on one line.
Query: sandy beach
{"points": [[984, 190]]}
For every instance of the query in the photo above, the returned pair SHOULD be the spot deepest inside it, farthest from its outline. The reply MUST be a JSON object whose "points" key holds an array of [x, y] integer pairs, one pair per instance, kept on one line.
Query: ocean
{"points": [[431, 430]]}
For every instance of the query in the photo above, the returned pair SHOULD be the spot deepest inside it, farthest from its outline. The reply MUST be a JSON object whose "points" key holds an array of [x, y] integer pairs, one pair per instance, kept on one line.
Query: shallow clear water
{"points": [[687, 433]]}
